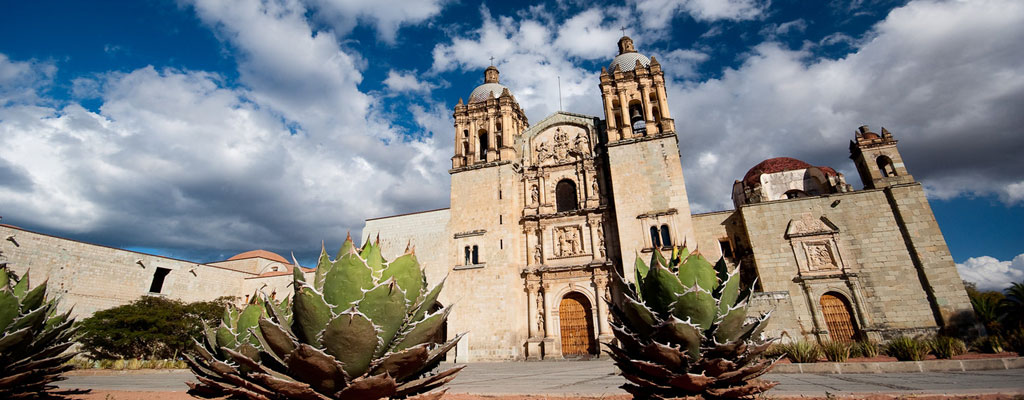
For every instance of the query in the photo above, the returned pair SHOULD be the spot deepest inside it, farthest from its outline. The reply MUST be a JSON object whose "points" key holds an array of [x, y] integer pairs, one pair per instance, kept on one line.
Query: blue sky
{"points": [[203, 128]]}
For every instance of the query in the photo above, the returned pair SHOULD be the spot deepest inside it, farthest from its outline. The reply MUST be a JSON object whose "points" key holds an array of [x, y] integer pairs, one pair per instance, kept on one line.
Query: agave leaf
{"points": [[657, 258], [641, 270], [660, 289], [8, 309], [428, 301], [722, 270], [698, 306], [683, 333], [346, 281], [352, 339], [281, 314], [681, 254], [670, 357], [249, 318], [5, 280], [14, 338], [31, 320], [276, 339], [225, 338], [318, 369], [729, 325], [754, 329], [408, 275], [729, 291], [438, 352], [696, 270], [323, 266], [287, 388], [372, 387], [640, 318], [429, 382], [20, 287], [297, 275], [311, 313], [423, 330], [385, 306], [371, 253], [346, 248], [403, 363]]}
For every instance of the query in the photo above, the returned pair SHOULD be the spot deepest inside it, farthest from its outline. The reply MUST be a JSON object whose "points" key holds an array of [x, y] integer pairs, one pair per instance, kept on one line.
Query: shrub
{"points": [[988, 344], [151, 327], [947, 347], [776, 350], [906, 348], [802, 351], [1015, 341], [836, 351], [866, 348]]}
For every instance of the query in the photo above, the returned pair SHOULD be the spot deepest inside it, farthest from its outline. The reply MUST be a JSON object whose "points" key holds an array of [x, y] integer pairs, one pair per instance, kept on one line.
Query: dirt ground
{"points": [[967, 356], [117, 395]]}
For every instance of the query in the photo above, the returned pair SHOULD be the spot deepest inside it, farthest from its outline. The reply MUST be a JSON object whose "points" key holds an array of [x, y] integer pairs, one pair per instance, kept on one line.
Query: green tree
{"points": [[1012, 306], [151, 327], [986, 307]]}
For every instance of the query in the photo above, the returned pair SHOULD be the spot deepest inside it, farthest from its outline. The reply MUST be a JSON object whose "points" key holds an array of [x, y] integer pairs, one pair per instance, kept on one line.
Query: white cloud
{"points": [[398, 81], [387, 16], [21, 81], [990, 273], [658, 14], [944, 77]]}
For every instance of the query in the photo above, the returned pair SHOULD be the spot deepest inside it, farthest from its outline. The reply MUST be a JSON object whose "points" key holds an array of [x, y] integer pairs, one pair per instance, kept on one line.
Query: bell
{"points": [[635, 116]]}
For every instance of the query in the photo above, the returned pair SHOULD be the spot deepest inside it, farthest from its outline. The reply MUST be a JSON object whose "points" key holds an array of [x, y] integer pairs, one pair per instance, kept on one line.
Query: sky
{"points": [[199, 129]]}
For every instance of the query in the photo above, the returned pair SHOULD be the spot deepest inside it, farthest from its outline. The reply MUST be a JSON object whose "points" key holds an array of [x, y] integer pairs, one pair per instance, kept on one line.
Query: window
{"points": [[158, 280], [655, 240], [726, 248], [565, 195], [476, 255], [885, 165], [795, 193], [500, 219], [483, 145], [498, 142], [666, 238], [468, 256], [501, 243]]}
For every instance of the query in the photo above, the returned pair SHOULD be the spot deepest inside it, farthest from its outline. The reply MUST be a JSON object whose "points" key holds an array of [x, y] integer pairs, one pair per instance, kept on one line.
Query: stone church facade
{"points": [[542, 215]]}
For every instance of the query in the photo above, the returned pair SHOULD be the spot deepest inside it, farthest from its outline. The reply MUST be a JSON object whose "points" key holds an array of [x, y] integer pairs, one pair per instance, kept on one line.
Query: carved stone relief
{"points": [[568, 241], [564, 145], [819, 256]]}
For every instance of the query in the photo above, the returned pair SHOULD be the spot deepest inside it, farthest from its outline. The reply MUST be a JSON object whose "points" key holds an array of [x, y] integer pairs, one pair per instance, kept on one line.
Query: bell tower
{"points": [[486, 127], [878, 161], [649, 198]]}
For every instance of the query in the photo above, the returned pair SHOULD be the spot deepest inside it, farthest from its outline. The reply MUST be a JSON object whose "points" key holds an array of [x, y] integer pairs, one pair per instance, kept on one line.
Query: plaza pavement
{"points": [[597, 378]]}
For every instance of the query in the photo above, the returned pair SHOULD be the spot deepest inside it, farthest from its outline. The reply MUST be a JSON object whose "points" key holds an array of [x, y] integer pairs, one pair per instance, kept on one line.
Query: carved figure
{"points": [[600, 238], [819, 256], [540, 314], [574, 241], [538, 253], [560, 242], [594, 187], [534, 195], [543, 152]]}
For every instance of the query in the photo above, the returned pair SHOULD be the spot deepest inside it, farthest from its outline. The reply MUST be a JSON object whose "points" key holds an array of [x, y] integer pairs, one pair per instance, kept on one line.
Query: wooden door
{"points": [[839, 318], [576, 325]]}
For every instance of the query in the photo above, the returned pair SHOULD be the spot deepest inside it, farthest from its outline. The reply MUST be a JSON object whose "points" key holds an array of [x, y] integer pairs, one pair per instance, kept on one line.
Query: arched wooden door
{"points": [[839, 318], [577, 326]]}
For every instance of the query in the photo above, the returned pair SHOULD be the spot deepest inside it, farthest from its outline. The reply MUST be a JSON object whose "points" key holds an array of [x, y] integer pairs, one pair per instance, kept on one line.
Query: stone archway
{"points": [[576, 325], [838, 317]]}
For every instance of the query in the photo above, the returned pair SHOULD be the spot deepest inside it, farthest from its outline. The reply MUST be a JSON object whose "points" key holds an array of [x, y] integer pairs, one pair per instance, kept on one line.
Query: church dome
{"points": [[259, 254], [484, 92], [779, 164], [628, 56]]}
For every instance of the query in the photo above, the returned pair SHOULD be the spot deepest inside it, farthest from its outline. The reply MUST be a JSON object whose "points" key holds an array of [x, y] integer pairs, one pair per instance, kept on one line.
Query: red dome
{"points": [[779, 164], [260, 254], [871, 135]]}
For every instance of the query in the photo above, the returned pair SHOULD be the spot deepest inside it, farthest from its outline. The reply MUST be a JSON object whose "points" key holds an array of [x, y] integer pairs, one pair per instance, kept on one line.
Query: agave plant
{"points": [[682, 330], [33, 341], [362, 329]]}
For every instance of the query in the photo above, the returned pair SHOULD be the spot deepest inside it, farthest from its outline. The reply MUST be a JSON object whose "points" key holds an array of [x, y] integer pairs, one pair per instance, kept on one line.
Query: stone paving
{"points": [[597, 378]]}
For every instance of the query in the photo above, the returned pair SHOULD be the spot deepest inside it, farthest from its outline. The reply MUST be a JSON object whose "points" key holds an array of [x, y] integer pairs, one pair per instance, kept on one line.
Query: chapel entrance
{"points": [[577, 325], [838, 317]]}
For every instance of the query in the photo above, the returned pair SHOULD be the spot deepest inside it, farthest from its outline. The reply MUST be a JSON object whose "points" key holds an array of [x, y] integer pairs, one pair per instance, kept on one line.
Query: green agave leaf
{"points": [[729, 292], [428, 301], [681, 255], [729, 326], [371, 253], [408, 275], [640, 318], [323, 266], [722, 270], [385, 306], [352, 339], [678, 332], [641, 270], [249, 318], [320, 370], [346, 281], [423, 330], [311, 314], [697, 270], [210, 336], [21, 286], [346, 248], [402, 364], [5, 279], [225, 338], [297, 275], [658, 259], [696, 305], [660, 289], [32, 320], [15, 338], [277, 340], [8, 309]]}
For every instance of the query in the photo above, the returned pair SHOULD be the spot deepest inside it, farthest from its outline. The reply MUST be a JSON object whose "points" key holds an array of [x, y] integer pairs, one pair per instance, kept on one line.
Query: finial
{"points": [[623, 29], [492, 61]]}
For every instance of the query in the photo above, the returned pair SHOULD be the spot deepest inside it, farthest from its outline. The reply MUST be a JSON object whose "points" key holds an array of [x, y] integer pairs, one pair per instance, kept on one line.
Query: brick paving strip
{"points": [[598, 378]]}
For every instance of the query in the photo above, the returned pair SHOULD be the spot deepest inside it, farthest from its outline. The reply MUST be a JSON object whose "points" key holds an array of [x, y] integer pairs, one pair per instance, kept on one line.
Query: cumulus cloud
{"points": [[387, 16], [989, 273], [944, 77], [22, 81], [398, 81], [658, 14]]}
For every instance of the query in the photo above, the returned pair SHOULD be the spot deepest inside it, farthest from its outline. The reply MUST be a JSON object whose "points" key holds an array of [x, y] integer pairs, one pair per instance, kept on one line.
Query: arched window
{"points": [[666, 238], [476, 255], [465, 148], [565, 195], [886, 166], [795, 193], [655, 239], [482, 140], [657, 114], [637, 119]]}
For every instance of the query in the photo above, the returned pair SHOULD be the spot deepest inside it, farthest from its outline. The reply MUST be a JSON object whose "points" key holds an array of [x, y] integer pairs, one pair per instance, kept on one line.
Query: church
{"points": [[541, 215]]}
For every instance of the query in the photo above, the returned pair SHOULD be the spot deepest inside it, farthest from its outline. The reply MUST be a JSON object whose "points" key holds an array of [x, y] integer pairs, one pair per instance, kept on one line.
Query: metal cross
{"points": [[623, 29], [492, 61]]}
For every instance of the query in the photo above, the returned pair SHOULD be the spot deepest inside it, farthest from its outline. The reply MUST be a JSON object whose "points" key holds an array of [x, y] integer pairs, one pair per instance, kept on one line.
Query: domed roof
{"points": [[779, 164], [871, 135], [627, 61], [484, 92], [259, 254]]}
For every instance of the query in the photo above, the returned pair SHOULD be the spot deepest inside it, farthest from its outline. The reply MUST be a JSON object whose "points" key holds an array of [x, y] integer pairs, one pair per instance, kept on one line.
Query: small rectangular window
{"points": [[501, 243], [500, 219], [499, 195], [158, 279], [726, 248]]}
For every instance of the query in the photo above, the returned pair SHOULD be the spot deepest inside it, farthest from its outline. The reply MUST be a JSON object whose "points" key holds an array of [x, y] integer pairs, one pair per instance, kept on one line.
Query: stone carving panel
{"points": [[568, 241], [819, 256], [560, 145]]}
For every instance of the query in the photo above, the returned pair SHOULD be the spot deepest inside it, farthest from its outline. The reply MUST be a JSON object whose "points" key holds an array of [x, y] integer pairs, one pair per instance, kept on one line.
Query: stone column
{"points": [[472, 143], [592, 225], [547, 309], [608, 111], [604, 330], [646, 101], [531, 307], [627, 127], [662, 101]]}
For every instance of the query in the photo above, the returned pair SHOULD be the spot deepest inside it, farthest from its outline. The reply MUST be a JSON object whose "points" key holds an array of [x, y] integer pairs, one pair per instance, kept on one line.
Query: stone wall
{"points": [[92, 277], [426, 231]]}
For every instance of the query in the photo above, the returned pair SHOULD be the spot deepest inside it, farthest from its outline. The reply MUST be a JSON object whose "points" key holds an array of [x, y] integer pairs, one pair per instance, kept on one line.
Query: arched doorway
{"points": [[838, 317], [577, 325]]}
